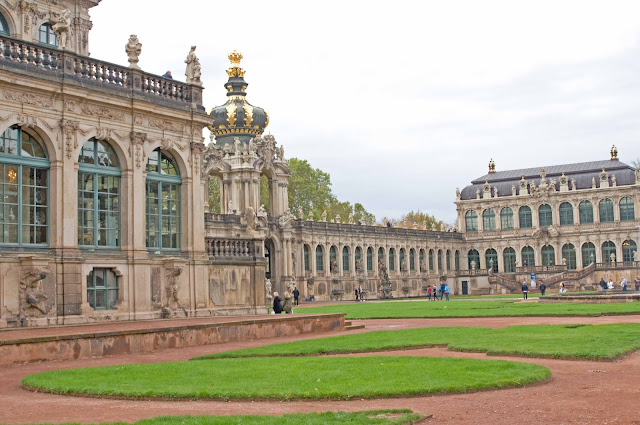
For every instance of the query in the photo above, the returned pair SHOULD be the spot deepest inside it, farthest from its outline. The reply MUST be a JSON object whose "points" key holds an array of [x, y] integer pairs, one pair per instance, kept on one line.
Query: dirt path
{"points": [[580, 392]]}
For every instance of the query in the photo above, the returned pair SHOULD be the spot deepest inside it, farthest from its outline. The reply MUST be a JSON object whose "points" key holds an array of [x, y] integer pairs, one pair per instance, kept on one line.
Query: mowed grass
{"points": [[291, 377], [595, 342], [498, 308], [374, 417]]}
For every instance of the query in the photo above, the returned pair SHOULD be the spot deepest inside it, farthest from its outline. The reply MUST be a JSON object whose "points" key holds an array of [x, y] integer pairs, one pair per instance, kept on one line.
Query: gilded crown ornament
{"points": [[235, 71], [614, 153], [492, 166]]}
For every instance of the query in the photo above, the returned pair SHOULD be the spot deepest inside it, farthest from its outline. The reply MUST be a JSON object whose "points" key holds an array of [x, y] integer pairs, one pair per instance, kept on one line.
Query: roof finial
{"points": [[235, 71], [614, 153], [492, 166]]}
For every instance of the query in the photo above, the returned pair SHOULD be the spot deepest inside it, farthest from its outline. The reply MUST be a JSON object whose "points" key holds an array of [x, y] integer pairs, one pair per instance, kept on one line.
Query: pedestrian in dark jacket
{"points": [[525, 290], [603, 284], [296, 296], [543, 288], [277, 303]]}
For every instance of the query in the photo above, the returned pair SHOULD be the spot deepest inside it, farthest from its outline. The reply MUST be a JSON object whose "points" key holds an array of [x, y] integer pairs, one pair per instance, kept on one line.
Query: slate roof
{"points": [[582, 172]]}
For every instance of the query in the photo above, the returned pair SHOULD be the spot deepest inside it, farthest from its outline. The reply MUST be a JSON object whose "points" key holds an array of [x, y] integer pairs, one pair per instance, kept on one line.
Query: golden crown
{"points": [[235, 57]]}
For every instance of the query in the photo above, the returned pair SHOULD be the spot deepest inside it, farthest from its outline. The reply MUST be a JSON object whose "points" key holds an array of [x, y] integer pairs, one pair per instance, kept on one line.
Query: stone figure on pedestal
{"points": [[193, 71], [133, 49], [61, 28]]}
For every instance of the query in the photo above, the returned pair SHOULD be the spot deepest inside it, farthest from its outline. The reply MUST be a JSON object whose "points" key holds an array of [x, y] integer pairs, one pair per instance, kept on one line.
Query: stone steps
{"points": [[349, 326]]}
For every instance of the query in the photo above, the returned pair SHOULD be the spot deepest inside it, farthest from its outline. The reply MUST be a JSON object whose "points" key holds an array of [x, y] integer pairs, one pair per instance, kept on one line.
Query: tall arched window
{"points": [[381, 255], [392, 259], [412, 259], [491, 258], [98, 196], [4, 28], [609, 252], [506, 219], [163, 202], [319, 258], [569, 256], [47, 36], [369, 259], [430, 259], [24, 188], [545, 215], [526, 219], [488, 220], [474, 259], [606, 211], [627, 212], [528, 257], [333, 259], [439, 259], [509, 255], [629, 249], [566, 214], [403, 259], [471, 220], [307, 262], [586, 212], [548, 256], [588, 254], [457, 260], [345, 259]]}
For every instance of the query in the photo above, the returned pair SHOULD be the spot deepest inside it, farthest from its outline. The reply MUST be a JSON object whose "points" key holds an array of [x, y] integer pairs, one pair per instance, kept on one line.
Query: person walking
{"points": [[429, 292], [543, 288], [442, 285], [287, 307], [277, 303], [446, 291], [525, 290], [296, 296], [360, 293], [435, 292], [355, 291], [624, 283], [637, 283]]}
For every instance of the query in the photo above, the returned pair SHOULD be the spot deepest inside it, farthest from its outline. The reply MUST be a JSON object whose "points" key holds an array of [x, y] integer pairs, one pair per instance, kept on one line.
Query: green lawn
{"points": [[433, 309], [602, 342], [374, 417], [292, 377]]}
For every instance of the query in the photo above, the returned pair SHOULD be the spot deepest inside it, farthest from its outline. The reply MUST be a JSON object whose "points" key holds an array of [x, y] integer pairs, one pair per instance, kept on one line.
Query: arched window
{"points": [[457, 260], [163, 202], [358, 256], [4, 28], [609, 252], [506, 219], [548, 256], [319, 258], [528, 257], [369, 259], [439, 259], [403, 260], [448, 260], [24, 188], [586, 212], [526, 219], [629, 249], [545, 215], [307, 262], [588, 254], [345, 259], [488, 220], [392, 259], [474, 259], [381, 255], [471, 220], [430, 259], [627, 212], [566, 214], [606, 211], [509, 255], [98, 196], [491, 258], [47, 36], [412, 259], [569, 256], [333, 259]]}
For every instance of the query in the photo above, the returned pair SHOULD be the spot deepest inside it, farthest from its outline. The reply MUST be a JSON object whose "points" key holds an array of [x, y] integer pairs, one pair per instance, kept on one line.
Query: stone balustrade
{"points": [[225, 248]]}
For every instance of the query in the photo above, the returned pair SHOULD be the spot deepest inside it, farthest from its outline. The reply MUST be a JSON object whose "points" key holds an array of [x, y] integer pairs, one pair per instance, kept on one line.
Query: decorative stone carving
{"points": [[133, 48], [193, 71], [69, 131], [262, 212], [29, 98], [26, 120], [324, 216], [310, 216], [267, 287], [172, 288], [167, 144], [166, 125], [102, 112], [138, 139], [61, 27], [32, 294], [250, 218]]}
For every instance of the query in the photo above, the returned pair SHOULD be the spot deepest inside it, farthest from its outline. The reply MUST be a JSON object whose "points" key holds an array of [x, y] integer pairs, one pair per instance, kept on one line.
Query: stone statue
{"points": [[250, 218], [477, 193], [495, 192], [133, 49], [360, 265], [32, 295], [338, 219], [230, 207], [193, 71], [173, 287], [293, 264], [403, 265], [350, 218], [457, 193], [61, 26], [324, 216], [473, 264], [564, 261], [613, 180], [423, 266], [513, 190], [491, 264], [280, 152], [310, 216], [334, 265], [262, 212], [573, 184], [267, 288], [591, 258], [300, 214], [613, 257], [593, 182]]}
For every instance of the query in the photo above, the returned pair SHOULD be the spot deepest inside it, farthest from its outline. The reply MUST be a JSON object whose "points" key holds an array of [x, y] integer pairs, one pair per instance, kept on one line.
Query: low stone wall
{"points": [[600, 298], [105, 343]]}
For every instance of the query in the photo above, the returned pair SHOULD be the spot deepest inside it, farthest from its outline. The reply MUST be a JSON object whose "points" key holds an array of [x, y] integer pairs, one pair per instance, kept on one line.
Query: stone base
{"points": [[601, 298]]}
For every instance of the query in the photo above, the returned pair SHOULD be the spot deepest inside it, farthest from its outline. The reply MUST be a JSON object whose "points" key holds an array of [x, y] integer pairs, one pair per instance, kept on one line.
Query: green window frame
{"points": [[488, 220], [381, 255], [548, 255], [566, 214], [606, 211], [102, 289], [369, 259], [447, 258], [357, 255], [528, 257], [431, 259], [627, 210], [569, 256], [586, 212], [608, 248], [319, 258], [412, 259], [307, 263], [509, 258], [506, 219], [457, 260], [421, 255], [99, 214], [629, 247], [392, 258], [345, 259], [545, 215], [24, 189], [525, 217], [588, 254], [163, 202], [47, 36], [474, 255], [471, 222], [4, 27], [491, 254]]}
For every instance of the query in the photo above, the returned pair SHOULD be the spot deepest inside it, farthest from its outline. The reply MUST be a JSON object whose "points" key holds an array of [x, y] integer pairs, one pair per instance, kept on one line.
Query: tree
{"points": [[417, 218], [309, 188], [214, 195], [636, 163]]}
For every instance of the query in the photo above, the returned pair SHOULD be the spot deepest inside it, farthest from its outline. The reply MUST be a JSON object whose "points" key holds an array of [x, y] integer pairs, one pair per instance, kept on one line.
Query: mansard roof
{"points": [[582, 172]]}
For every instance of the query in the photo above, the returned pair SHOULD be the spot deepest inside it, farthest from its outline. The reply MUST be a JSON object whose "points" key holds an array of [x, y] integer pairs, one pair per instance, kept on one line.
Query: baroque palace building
{"points": [[104, 210]]}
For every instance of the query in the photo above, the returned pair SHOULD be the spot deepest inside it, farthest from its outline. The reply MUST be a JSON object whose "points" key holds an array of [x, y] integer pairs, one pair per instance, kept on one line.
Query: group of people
{"points": [[623, 284], [287, 305], [359, 294], [443, 291]]}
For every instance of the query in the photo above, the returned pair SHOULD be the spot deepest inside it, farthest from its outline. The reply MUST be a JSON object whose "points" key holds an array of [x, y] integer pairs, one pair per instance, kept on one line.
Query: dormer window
{"points": [[47, 36]]}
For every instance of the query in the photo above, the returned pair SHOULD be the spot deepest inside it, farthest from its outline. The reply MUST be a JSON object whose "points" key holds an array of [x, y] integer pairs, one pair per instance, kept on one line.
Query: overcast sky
{"points": [[403, 101]]}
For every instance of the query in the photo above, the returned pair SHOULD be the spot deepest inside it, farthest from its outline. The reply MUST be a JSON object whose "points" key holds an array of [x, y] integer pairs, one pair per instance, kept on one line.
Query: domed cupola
{"points": [[237, 118]]}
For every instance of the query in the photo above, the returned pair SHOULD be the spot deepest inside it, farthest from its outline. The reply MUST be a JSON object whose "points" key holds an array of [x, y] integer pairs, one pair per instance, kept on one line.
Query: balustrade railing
{"points": [[86, 69], [224, 248], [541, 269]]}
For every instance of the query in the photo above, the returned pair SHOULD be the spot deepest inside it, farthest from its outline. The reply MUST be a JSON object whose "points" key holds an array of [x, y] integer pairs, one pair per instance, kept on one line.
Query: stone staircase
{"points": [[349, 326]]}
